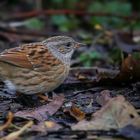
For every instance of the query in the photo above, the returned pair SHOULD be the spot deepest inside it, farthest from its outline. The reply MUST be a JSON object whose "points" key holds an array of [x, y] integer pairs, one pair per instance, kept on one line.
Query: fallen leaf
{"points": [[42, 113], [77, 113], [50, 125], [115, 114], [130, 70], [130, 131], [81, 77], [103, 97], [46, 126]]}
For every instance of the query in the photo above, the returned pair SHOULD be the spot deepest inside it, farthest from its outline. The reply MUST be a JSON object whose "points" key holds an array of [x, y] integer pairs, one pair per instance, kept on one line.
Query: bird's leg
{"points": [[53, 94], [48, 96], [44, 97], [18, 94]]}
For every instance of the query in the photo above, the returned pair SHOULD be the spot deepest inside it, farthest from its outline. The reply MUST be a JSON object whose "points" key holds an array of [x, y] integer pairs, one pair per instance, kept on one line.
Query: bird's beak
{"points": [[78, 45]]}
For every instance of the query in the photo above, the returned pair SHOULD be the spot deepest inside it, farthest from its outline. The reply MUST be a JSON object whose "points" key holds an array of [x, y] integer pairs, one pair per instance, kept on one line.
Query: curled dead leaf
{"points": [[130, 70], [117, 113]]}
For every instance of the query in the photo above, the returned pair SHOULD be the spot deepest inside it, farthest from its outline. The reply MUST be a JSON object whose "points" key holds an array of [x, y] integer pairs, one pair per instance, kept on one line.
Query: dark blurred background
{"points": [[68, 15], [110, 28]]}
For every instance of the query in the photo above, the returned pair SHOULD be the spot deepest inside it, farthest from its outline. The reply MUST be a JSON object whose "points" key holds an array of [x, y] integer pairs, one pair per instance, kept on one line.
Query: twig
{"points": [[83, 91], [74, 12], [15, 135], [7, 124]]}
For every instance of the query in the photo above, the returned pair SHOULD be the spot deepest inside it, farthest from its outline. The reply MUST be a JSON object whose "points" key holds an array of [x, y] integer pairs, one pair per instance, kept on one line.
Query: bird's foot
{"points": [[44, 97]]}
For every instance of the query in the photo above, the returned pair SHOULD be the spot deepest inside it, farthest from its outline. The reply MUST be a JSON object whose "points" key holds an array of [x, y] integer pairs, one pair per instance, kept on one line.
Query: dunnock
{"points": [[37, 67]]}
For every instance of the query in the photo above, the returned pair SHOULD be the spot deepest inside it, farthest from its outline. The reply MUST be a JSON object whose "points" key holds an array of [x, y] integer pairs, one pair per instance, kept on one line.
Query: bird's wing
{"points": [[31, 56], [16, 56]]}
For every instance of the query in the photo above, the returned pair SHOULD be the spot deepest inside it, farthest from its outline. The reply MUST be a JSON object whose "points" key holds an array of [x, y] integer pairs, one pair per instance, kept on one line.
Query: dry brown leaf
{"points": [[77, 113], [81, 77], [117, 113], [130, 70], [41, 113], [46, 126], [103, 97], [50, 125]]}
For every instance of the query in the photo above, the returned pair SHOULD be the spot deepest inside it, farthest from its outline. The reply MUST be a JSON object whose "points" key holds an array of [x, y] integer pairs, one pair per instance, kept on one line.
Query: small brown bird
{"points": [[37, 67]]}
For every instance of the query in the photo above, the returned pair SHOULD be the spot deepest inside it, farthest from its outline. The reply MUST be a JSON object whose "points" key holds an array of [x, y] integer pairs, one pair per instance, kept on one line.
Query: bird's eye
{"points": [[68, 44]]}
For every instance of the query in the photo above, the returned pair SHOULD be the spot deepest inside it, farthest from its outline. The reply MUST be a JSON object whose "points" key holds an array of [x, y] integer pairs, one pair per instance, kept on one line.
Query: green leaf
{"points": [[136, 55], [83, 57], [111, 7], [123, 8], [57, 1], [118, 7], [87, 64], [34, 23], [88, 58], [116, 55], [136, 26], [64, 23], [95, 7], [95, 55]]}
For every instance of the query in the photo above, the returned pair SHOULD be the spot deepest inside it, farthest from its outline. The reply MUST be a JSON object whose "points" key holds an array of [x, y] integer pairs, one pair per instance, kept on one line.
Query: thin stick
{"points": [[9, 121], [74, 12]]}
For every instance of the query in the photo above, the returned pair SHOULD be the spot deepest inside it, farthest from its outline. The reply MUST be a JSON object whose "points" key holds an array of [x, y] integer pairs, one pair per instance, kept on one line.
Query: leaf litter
{"points": [[42, 113], [96, 106], [116, 113]]}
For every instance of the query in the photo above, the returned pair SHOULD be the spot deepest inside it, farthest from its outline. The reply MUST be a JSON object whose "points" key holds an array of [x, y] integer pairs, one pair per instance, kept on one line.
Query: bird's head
{"points": [[62, 46]]}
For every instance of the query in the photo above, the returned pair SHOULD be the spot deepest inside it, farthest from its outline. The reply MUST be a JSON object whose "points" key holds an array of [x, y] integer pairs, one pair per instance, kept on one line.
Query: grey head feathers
{"points": [[61, 46]]}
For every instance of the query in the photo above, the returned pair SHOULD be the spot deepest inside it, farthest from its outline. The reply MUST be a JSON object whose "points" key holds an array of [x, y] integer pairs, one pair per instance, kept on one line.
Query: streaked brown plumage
{"points": [[37, 67]]}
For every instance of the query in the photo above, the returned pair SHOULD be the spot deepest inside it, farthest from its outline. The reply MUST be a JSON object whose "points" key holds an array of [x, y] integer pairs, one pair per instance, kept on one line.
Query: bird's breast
{"points": [[32, 82]]}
